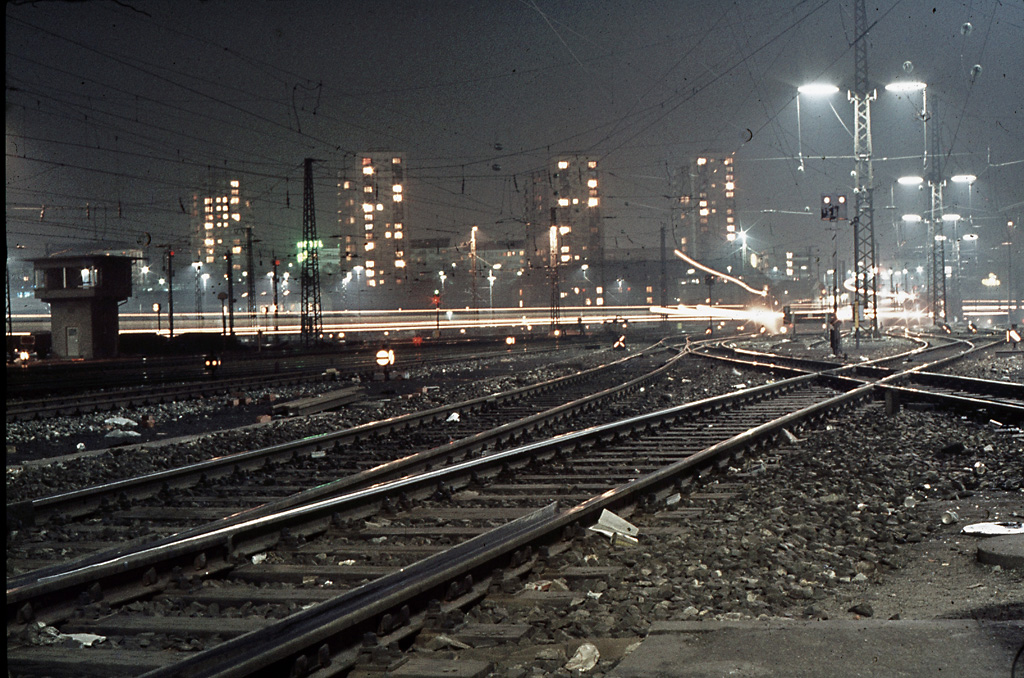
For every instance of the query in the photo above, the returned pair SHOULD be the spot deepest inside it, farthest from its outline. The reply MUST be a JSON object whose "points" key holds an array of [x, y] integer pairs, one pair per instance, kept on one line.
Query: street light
{"points": [[812, 89]]}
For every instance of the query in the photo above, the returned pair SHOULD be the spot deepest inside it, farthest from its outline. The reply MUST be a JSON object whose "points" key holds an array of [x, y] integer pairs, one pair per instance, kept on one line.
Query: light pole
{"points": [[957, 306], [199, 293]]}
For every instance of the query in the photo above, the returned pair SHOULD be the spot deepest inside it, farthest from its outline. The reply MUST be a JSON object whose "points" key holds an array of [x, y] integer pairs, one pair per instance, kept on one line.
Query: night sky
{"points": [[116, 111]]}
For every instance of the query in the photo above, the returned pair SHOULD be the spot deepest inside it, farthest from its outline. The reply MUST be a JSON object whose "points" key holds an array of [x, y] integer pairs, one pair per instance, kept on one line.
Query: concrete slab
{"points": [[1006, 551], [841, 648]]}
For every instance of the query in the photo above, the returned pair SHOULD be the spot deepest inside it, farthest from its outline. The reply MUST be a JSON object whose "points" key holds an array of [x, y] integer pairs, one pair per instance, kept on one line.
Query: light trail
{"points": [[696, 264]]}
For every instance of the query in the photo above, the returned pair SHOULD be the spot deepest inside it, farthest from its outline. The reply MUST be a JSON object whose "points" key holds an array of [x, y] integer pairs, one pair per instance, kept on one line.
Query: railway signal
{"points": [[833, 207]]}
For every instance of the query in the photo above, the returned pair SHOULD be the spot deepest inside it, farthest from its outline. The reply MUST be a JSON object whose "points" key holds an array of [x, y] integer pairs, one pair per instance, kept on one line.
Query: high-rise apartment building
{"points": [[564, 232], [709, 221], [221, 217], [371, 219]]}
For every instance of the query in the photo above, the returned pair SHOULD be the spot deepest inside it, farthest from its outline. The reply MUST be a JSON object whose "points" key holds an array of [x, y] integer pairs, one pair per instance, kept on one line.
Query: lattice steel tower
{"points": [[936, 263], [312, 318], [865, 284]]}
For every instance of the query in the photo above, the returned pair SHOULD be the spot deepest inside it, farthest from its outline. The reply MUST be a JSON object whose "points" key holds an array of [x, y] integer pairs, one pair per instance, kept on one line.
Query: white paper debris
{"points": [[993, 529], [585, 658]]}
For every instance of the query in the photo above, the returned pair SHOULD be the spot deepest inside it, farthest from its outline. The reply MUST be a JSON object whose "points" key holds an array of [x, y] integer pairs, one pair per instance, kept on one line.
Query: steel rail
{"points": [[218, 545], [89, 499], [332, 369], [301, 640]]}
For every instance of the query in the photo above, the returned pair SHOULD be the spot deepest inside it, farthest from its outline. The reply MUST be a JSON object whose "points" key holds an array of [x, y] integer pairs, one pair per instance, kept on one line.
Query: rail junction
{"points": [[336, 554]]}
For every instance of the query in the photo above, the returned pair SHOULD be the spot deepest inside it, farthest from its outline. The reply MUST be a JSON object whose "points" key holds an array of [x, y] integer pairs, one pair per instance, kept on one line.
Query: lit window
{"points": [[730, 237], [237, 249], [207, 201], [208, 242], [399, 235], [563, 164], [397, 197], [234, 184], [369, 246], [399, 263], [592, 183], [731, 228], [367, 161], [234, 200], [368, 189], [592, 164], [396, 161], [369, 227], [563, 202], [368, 216], [367, 207], [575, 201], [703, 203], [398, 227], [387, 234], [702, 161], [397, 188], [704, 212], [729, 186], [236, 217], [371, 264], [380, 207], [562, 230], [728, 194], [347, 185], [208, 225], [592, 202], [367, 169]]}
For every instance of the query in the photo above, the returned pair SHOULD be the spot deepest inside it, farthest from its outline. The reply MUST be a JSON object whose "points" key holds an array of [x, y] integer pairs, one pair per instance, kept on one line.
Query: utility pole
{"points": [[664, 271], [251, 276], [198, 266], [312, 319], [472, 256], [277, 262], [935, 230], [556, 295], [231, 292], [170, 292], [864, 282]]}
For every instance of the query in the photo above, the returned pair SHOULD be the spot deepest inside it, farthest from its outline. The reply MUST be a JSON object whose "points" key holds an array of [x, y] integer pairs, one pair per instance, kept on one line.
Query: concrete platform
{"points": [[841, 648], [1006, 551]]}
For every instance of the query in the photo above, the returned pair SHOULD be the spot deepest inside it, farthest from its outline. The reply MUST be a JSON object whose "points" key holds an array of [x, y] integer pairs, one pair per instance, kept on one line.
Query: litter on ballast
{"points": [[993, 529], [585, 658], [259, 558], [86, 639], [453, 417], [117, 433], [621, 532], [120, 421]]}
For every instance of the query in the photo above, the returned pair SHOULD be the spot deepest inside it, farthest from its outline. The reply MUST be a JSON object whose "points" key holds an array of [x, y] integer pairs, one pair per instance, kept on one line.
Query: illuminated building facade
{"points": [[371, 219], [223, 225], [710, 225], [564, 231]]}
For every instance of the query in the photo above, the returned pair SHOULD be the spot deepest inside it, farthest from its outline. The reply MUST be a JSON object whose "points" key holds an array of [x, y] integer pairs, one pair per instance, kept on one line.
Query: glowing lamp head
{"points": [[817, 89]]}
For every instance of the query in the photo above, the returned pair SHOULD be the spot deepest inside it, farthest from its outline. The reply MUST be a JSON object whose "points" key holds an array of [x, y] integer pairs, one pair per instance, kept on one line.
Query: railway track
{"points": [[192, 380], [50, 529], [911, 375], [295, 592]]}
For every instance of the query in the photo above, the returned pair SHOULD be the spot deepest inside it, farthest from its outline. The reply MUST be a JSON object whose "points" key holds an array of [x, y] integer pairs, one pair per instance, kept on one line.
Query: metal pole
{"points": [[276, 308], [231, 293], [170, 292]]}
